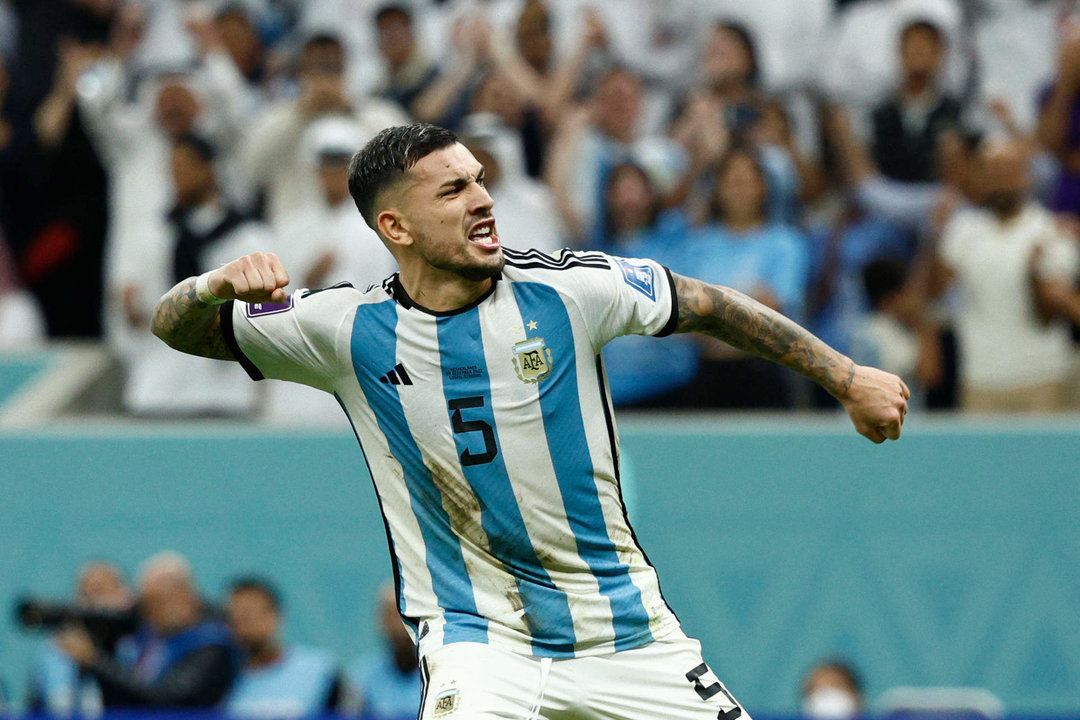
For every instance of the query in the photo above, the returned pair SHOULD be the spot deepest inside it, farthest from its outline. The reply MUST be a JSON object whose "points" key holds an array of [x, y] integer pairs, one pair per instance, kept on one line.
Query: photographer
{"points": [[178, 656], [57, 687]]}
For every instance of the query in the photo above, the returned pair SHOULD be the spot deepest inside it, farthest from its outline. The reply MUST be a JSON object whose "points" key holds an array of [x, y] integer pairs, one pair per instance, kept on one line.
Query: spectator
{"points": [[272, 158], [896, 335], [832, 690], [790, 35], [906, 127], [57, 687], [860, 63], [837, 301], [408, 70], [593, 139], [54, 215], [180, 656], [729, 107], [204, 228], [241, 40], [898, 174], [1001, 256], [741, 249], [642, 372], [387, 680], [275, 682]]}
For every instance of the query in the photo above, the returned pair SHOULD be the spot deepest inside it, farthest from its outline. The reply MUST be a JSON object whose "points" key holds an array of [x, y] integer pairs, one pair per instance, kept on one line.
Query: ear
{"points": [[391, 225]]}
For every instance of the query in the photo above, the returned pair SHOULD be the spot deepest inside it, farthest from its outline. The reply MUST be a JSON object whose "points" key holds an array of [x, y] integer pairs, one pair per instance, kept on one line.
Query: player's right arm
{"points": [[187, 324]]}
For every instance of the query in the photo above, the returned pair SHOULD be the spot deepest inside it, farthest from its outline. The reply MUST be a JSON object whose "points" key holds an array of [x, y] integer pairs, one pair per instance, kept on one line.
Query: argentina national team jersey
{"points": [[491, 442]]}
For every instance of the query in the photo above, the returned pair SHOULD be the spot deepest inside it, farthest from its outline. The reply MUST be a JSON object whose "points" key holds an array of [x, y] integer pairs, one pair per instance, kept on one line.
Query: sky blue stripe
{"points": [[374, 347], [547, 611], [565, 431]]}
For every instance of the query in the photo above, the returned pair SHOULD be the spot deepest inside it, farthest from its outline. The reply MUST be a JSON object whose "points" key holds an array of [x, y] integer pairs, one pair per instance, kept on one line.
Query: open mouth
{"points": [[483, 235]]}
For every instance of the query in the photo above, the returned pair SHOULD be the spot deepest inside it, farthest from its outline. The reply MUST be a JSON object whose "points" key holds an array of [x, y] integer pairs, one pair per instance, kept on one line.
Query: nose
{"points": [[480, 200]]}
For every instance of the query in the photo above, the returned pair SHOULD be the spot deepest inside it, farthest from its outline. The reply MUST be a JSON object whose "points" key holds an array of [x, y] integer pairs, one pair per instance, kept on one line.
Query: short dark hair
{"points": [[881, 278], [253, 583], [393, 8], [746, 39], [922, 25], [323, 38], [842, 667], [387, 157]]}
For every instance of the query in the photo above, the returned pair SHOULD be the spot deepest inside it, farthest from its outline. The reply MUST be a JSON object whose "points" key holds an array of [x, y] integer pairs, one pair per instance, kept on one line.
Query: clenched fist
{"points": [[259, 277], [877, 402]]}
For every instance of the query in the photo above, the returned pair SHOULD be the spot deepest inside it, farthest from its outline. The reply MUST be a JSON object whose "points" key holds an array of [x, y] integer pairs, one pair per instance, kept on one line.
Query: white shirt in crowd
{"points": [[162, 381], [1003, 343]]}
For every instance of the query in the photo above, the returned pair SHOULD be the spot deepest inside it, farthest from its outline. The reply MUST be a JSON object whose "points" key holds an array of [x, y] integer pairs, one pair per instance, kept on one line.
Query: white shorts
{"points": [[665, 679]]}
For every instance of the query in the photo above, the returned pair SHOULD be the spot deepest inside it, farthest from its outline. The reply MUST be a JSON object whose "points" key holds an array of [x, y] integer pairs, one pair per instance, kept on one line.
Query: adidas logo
{"points": [[397, 376]]}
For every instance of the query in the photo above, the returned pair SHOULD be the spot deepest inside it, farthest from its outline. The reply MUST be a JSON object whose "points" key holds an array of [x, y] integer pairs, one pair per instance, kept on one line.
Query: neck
{"points": [[916, 85], [441, 290], [1004, 214], [265, 654], [201, 198]]}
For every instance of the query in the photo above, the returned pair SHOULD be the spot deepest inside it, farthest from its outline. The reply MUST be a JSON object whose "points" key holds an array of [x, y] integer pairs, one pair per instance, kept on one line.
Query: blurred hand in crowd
{"points": [[594, 34], [199, 22], [127, 29], [1069, 54], [74, 58], [471, 37], [701, 129]]}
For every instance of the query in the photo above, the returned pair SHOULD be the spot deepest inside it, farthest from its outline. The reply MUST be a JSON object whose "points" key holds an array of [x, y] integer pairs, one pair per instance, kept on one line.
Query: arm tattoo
{"points": [[188, 325], [747, 325]]}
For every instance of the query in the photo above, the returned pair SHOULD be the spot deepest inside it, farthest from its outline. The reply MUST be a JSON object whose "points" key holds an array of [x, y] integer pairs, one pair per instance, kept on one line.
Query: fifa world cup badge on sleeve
{"points": [[639, 277], [268, 308], [532, 360]]}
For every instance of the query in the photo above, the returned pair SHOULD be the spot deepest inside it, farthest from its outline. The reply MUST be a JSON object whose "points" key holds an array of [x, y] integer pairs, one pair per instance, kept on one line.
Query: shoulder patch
{"points": [[268, 308], [640, 277]]}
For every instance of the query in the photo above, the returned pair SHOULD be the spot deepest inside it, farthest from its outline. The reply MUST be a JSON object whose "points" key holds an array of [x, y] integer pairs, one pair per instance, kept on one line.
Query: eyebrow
{"points": [[459, 182]]}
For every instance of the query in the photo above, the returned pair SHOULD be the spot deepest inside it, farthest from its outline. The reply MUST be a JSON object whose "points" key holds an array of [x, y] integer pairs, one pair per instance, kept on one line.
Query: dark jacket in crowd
{"points": [[193, 668]]}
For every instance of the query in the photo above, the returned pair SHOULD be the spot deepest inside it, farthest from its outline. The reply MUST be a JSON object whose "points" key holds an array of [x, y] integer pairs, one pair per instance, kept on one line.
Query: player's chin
{"points": [[482, 268]]}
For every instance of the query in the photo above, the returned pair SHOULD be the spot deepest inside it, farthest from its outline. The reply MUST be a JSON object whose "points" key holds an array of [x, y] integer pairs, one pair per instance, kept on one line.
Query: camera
{"points": [[105, 627]]}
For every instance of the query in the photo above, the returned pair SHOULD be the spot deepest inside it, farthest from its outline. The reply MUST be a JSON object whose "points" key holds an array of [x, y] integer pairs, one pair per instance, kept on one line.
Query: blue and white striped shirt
{"points": [[491, 441]]}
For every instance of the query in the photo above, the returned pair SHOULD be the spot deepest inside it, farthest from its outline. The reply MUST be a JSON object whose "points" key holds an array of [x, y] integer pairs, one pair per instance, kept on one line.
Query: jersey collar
{"points": [[397, 291]]}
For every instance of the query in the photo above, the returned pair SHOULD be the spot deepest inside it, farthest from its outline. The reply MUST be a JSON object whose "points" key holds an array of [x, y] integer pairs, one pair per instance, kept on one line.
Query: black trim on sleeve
{"points": [[226, 312], [669, 326]]}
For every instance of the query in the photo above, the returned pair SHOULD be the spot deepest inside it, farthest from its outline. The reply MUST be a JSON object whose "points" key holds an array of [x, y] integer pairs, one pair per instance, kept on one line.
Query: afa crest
{"points": [[532, 360]]}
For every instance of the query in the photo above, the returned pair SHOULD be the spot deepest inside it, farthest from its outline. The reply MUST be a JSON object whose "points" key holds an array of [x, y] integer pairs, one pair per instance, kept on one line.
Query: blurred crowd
{"points": [[900, 176], [163, 644]]}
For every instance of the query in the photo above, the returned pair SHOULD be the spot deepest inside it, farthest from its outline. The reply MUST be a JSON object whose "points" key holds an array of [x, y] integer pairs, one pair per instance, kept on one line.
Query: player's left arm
{"points": [[875, 400]]}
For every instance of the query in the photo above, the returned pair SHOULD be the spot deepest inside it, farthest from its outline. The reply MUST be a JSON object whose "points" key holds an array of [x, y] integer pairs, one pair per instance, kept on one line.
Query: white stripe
{"points": [[520, 423], [494, 589]]}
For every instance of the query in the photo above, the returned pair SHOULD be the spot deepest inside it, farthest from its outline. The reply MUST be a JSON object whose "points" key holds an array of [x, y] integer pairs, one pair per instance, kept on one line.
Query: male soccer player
{"points": [[474, 384]]}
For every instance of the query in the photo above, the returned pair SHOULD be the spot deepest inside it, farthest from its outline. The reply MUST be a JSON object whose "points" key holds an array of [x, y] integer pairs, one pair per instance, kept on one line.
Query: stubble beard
{"points": [[465, 266]]}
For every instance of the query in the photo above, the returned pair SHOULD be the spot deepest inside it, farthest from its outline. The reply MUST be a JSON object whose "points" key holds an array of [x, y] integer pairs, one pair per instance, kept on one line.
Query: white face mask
{"points": [[830, 703]]}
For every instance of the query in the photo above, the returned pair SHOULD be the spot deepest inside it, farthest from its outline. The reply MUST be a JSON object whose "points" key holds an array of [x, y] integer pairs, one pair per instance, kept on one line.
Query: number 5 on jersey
{"points": [[462, 425]]}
